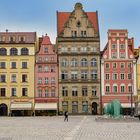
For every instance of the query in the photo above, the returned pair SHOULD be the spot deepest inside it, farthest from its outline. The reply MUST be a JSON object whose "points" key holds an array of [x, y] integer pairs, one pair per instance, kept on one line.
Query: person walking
{"points": [[66, 116]]}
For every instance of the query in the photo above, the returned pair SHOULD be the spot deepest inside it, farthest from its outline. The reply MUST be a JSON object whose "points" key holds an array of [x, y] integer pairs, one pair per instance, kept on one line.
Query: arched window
{"points": [[13, 51], [84, 62], [64, 62], [94, 62], [74, 62], [3, 51], [115, 88], [24, 51], [107, 88]]}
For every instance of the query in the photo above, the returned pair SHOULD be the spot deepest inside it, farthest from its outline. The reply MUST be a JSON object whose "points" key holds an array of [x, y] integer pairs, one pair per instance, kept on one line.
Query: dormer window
{"points": [[12, 39], [45, 50], [21, 39]]}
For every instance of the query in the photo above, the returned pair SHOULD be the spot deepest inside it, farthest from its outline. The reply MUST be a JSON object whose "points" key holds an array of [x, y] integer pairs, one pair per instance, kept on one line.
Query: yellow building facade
{"points": [[17, 60]]}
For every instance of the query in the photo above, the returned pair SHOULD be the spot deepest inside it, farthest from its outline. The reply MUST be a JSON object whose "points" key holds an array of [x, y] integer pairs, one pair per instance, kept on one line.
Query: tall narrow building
{"points": [[118, 70], [17, 61], [46, 79], [78, 48]]}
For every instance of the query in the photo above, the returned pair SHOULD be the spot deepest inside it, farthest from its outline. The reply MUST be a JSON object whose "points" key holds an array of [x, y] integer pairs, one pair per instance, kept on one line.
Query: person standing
{"points": [[66, 116]]}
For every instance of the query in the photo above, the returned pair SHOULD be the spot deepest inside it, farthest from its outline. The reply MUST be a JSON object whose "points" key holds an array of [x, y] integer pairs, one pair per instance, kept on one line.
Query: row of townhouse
{"points": [[39, 78]]}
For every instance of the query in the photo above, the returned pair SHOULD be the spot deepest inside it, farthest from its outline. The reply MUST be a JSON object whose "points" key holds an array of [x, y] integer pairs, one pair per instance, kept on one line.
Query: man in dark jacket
{"points": [[66, 116]]}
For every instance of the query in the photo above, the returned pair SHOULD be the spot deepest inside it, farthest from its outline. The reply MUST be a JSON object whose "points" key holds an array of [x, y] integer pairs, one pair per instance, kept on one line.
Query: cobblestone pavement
{"points": [[78, 128]]}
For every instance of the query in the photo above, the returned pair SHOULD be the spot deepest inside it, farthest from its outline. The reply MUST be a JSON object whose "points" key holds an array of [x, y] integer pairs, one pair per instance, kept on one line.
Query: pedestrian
{"points": [[66, 116]]}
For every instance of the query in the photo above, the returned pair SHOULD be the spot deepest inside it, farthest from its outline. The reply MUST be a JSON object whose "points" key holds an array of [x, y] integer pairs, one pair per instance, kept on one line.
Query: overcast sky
{"points": [[40, 16]]}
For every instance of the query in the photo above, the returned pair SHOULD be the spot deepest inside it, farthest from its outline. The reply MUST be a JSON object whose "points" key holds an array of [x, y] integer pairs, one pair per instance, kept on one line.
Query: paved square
{"points": [[78, 128]]}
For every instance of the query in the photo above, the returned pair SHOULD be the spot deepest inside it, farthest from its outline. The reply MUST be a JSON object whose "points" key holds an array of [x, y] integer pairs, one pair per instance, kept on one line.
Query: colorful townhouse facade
{"points": [[118, 70], [17, 61], [46, 79], [78, 48]]}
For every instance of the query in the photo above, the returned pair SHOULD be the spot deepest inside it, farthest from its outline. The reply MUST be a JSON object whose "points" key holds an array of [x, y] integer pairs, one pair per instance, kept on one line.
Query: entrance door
{"points": [[3, 110], [94, 108]]}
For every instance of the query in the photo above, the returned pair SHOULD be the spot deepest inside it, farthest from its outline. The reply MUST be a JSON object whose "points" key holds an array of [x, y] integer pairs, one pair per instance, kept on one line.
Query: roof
{"points": [[62, 18], [46, 41], [117, 30], [30, 36]]}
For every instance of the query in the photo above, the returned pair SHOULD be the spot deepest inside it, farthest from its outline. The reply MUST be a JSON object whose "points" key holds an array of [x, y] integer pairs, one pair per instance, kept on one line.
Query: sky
{"points": [[40, 16]]}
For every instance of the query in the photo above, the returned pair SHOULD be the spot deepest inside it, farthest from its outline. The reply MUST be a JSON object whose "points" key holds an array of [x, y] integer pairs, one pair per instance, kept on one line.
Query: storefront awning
{"points": [[21, 106], [46, 106]]}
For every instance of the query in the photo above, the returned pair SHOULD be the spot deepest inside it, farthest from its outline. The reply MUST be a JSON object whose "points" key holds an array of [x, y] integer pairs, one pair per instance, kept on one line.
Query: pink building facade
{"points": [[118, 70], [46, 83]]}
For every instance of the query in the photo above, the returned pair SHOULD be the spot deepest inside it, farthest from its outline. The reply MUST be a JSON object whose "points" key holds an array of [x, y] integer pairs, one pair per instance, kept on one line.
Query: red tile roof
{"points": [[62, 18], [46, 41], [117, 30]]}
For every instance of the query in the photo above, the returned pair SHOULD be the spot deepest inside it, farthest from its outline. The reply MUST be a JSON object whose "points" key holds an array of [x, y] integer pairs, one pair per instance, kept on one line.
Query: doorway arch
{"points": [[94, 108], [3, 109]]}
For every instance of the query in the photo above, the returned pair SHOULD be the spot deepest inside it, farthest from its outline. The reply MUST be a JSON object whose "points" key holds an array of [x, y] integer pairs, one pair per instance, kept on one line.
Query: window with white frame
{"points": [[94, 74], [114, 65], [64, 62], [74, 62], [64, 75], [64, 91], [74, 49], [129, 88], [94, 91], [2, 78], [39, 80], [46, 93], [13, 78], [107, 88], [74, 91], [46, 68], [122, 88], [46, 80], [39, 92], [115, 88], [129, 75], [122, 76], [122, 54], [84, 91], [107, 76], [74, 75], [122, 46], [122, 65], [94, 62], [114, 46], [13, 91], [107, 65], [39, 68], [52, 80], [114, 55], [84, 74], [84, 62], [114, 76], [83, 49]]}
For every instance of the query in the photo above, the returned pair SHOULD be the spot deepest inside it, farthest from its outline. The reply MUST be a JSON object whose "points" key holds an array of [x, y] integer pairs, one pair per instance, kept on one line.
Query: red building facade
{"points": [[46, 83], [118, 70]]}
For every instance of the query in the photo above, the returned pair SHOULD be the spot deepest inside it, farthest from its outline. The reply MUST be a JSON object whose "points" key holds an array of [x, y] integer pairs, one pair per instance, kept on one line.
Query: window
{"points": [[2, 65], [122, 55], [122, 46], [94, 74], [39, 80], [24, 51], [64, 49], [74, 107], [84, 91], [74, 62], [115, 88], [40, 59], [53, 80], [13, 65], [114, 76], [12, 38], [129, 88], [24, 65], [40, 93], [114, 46], [13, 78], [85, 106], [64, 75], [52, 59], [122, 76], [21, 39], [107, 65], [24, 78], [13, 91], [74, 91], [114, 55], [129, 75], [107, 76], [24, 92], [2, 92], [122, 88], [94, 62], [46, 80], [52, 68], [74, 75], [129, 65], [46, 93], [84, 74], [65, 106], [107, 88], [46, 59], [122, 66], [13, 51], [83, 33], [46, 69], [94, 91], [114, 65], [73, 33], [64, 63], [2, 78], [45, 50], [3, 51], [84, 62], [83, 49], [2, 38], [74, 49], [64, 91], [53, 92], [39, 68]]}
